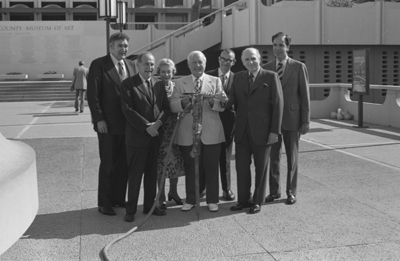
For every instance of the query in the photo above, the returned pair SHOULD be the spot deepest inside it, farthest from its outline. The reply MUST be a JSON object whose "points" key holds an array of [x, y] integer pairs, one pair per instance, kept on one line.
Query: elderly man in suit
{"points": [[212, 134], [146, 108], [296, 116], [105, 76], [226, 61], [257, 95], [79, 84]]}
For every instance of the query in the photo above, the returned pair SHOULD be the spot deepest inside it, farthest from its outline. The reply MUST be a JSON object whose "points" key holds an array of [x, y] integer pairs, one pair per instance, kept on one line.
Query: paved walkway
{"points": [[348, 200]]}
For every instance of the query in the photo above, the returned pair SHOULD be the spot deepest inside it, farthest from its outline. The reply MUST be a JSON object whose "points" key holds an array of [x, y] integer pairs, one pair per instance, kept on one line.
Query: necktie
{"points": [[121, 71], [251, 78], [198, 86], [149, 89], [279, 70], [223, 79]]}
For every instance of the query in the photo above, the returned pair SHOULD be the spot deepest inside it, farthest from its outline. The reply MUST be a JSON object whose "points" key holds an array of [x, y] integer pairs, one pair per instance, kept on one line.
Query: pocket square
{"points": [[265, 85]]}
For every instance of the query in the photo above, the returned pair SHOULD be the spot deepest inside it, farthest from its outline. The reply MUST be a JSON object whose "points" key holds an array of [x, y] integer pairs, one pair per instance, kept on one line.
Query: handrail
{"points": [[184, 28], [348, 85]]}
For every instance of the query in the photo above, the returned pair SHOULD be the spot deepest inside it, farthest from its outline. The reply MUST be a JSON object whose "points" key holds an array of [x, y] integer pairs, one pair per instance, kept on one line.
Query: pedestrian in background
{"points": [[79, 84]]}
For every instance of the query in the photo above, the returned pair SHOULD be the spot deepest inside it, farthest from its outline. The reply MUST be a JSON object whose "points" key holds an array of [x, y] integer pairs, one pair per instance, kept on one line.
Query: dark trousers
{"points": [[142, 162], [244, 150], [113, 171], [208, 164], [225, 165], [224, 168], [291, 142]]}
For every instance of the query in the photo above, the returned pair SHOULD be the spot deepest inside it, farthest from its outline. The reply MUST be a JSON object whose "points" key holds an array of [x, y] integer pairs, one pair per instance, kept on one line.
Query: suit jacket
{"points": [[296, 94], [229, 114], [140, 109], [103, 93], [259, 106], [80, 78], [212, 130]]}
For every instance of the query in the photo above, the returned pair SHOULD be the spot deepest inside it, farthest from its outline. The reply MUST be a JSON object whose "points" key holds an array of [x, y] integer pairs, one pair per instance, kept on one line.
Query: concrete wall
{"points": [[312, 23], [386, 114], [41, 46]]}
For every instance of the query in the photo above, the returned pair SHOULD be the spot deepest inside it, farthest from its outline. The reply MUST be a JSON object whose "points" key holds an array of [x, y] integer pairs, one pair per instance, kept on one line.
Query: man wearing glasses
{"points": [[226, 61]]}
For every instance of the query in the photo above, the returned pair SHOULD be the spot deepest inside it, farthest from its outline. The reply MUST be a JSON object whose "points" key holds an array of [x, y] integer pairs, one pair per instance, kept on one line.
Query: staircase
{"points": [[22, 91]]}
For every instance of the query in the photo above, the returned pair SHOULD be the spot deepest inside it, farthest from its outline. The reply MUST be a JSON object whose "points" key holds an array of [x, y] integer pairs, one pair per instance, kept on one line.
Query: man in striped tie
{"points": [[296, 116]]}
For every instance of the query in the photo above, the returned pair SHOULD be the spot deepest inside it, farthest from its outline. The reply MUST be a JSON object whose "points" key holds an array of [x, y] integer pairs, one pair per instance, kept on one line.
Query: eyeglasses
{"points": [[226, 60]]}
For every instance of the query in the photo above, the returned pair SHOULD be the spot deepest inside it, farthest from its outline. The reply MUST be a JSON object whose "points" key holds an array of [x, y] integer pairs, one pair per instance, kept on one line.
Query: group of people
{"points": [[145, 127]]}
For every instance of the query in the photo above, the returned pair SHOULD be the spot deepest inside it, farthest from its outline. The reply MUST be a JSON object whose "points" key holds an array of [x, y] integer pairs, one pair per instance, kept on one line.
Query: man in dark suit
{"points": [[145, 108], [296, 116], [105, 77], [226, 61], [257, 96]]}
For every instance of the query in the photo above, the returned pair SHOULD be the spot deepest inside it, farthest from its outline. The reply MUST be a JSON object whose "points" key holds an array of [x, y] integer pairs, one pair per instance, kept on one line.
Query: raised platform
{"points": [[47, 90]]}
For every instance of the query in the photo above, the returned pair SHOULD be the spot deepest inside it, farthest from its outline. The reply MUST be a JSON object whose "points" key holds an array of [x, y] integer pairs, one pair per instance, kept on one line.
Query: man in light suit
{"points": [[146, 109], [257, 96], [105, 76], [296, 116], [79, 84], [226, 61], [212, 134]]}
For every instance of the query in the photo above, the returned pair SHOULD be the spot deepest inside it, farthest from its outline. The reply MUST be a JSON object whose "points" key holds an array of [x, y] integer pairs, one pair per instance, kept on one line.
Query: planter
{"points": [[48, 77], [13, 77]]}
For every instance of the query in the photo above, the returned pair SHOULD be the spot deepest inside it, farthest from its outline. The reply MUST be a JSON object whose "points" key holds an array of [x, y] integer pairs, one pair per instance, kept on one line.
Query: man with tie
{"points": [[146, 109], [105, 76], [296, 116], [226, 61], [257, 96], [212, 132]]}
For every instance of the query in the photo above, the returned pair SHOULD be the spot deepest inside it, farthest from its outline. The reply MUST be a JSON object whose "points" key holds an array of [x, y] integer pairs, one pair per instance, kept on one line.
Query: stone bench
{"points": [[48, 77], [13, 77]]}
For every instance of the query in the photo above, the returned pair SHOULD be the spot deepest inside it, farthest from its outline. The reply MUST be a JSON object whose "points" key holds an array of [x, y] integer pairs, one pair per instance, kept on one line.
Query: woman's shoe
{"points": [[177, 201]]}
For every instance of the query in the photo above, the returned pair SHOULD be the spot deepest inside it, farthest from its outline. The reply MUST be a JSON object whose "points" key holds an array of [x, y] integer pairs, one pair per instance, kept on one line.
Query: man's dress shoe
{"points": [[163, 205], [187, 207], [129, 217], [291, 199], [109, 211], [255, 209], [228, 195], [240, 206], [156, 212], [272, 197], [213, 207], [202, 194]]}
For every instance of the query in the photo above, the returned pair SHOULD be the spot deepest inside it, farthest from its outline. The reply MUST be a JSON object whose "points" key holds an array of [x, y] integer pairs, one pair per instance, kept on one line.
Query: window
{"points": [[171, 3], [85, 16], [53, 16], [140, 3], [23, 16], [144, 18]]}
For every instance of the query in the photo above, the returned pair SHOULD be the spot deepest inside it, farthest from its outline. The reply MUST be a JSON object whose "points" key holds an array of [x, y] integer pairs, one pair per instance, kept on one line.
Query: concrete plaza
{"points": [[348, 200]]}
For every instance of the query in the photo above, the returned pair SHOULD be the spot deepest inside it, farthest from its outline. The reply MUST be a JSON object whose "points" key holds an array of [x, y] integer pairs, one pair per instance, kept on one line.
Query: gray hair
{"points": [[190, 56], [253, 49]]}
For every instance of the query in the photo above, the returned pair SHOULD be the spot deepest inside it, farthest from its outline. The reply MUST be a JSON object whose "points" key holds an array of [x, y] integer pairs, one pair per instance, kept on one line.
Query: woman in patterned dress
{"points": [[166, 70]]}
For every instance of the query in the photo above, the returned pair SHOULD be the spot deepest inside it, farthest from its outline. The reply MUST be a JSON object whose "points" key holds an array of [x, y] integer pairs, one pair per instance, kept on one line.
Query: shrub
{"points": [[339, 3]]}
